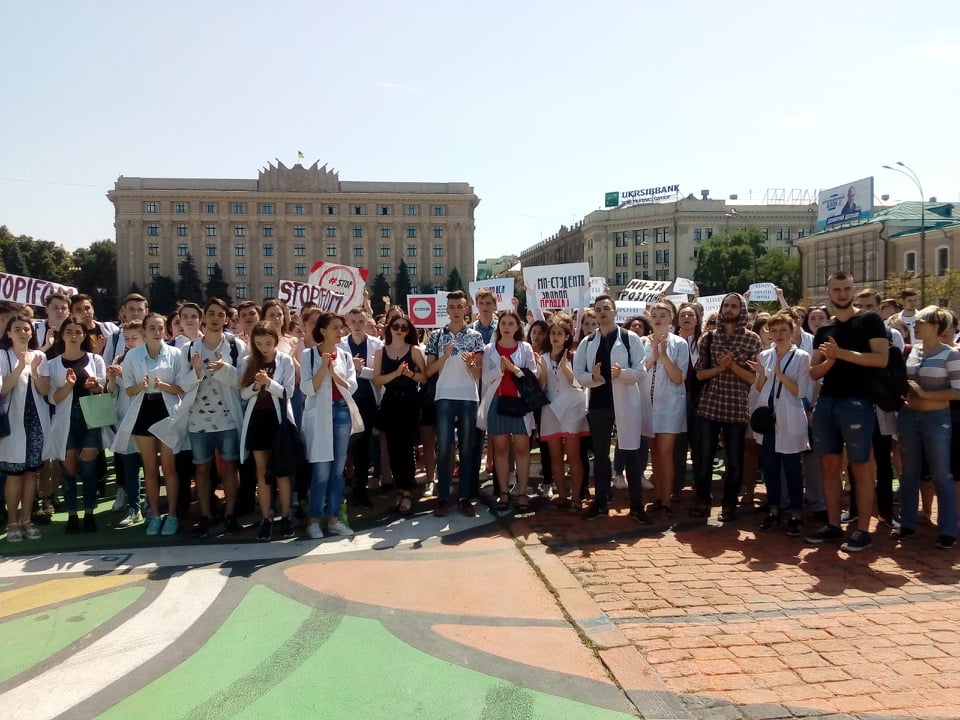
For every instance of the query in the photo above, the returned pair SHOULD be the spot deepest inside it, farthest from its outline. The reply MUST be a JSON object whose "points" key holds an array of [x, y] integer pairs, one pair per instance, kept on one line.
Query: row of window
{"points": [[240, 208], [642, 257], [299, 231], [943, 260], [300, 270], [299, 250], [622, 278]]}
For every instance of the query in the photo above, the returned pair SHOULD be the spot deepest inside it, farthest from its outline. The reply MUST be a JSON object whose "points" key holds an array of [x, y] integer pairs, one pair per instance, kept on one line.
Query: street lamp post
{"points": [[908, 172]]}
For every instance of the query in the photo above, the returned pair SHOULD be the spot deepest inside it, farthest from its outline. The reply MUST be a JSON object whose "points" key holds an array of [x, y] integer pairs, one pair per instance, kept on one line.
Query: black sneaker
{"points": [[825, 533], [202, 528], [945, 542], [858, 540], [286, 528], [727, 514], [794, 526], [638, 514], [89, 524], [821, 516], [73, 525], [902, 533], [595, 510], [231, 526], [849, 516], [266, 530], [770, 522]]}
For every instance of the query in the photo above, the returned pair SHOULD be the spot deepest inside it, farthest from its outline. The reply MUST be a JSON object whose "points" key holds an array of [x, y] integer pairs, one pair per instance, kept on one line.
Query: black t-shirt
{"points": [[364, 387], [846, 379], [602, 395], [80, 370]]}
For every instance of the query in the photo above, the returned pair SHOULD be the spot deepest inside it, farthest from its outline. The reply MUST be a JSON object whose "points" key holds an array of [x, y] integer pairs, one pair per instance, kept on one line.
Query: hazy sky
{"points": [[541, 106]]}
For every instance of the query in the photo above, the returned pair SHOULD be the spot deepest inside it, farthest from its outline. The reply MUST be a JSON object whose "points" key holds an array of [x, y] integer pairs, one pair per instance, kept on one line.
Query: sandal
{"points": [[700, 510], [29, 531], [405, 506], [503, 502], [13, 533], [523, 504]]}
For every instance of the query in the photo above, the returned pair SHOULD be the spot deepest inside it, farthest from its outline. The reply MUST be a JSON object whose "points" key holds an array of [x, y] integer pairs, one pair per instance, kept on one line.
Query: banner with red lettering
{"points": [[30, 291]]}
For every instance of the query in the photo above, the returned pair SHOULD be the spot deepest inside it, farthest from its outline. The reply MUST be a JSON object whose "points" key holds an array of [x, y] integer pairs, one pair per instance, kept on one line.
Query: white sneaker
{"points": [[340, 528], [314, 531], [132, 518], [620, 482], [121, 502], [429, 488], [646, 484]]}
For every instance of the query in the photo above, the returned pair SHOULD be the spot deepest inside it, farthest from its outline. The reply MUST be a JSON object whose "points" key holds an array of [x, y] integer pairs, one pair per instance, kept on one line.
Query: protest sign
{"points": [[710, 304], [598, 287], [763, 292], [501, 287], [683, 286], [428, 311], [627, 310], [675, 299], [30, 291], [646, 291], [297, 294], [342, 280], [557, 287]]}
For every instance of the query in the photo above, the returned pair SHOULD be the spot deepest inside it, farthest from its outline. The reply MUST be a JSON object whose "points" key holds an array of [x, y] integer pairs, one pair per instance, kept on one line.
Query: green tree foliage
{"points": [[379, 290], [783, 271], [13, 261], [23, 255], [94, 271], [189, 286], [401, 286], [454, 282], [217, 286], [162, 294], [427, 288], [730, 262]]}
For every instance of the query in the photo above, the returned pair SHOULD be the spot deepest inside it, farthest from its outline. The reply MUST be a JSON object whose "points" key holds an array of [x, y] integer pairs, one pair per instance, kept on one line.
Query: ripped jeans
{"points": [[844, 421], [926, 434]]}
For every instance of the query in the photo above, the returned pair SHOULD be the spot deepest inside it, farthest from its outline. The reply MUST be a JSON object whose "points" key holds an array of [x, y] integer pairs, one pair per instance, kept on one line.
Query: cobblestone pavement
{"points": [[740, 623]]}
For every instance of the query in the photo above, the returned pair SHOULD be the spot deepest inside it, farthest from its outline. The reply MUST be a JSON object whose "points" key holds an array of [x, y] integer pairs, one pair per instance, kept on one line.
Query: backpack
{"points": [[624, 338], [234, 350], [889, 384]]}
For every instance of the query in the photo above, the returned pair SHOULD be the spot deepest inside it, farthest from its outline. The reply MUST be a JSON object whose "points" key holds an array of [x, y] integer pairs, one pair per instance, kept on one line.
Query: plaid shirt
{"points": [[725, 398]]}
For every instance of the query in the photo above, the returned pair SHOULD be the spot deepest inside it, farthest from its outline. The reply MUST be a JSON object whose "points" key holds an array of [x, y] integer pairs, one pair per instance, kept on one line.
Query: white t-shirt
{"points": [[210, 411]]}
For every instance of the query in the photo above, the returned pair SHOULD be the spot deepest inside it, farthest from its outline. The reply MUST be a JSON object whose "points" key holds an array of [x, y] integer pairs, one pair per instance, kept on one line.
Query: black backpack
{"points": [[889, 384]]}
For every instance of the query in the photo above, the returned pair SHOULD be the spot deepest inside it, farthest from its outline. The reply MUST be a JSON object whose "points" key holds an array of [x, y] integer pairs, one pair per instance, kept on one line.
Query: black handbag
{"points": [[763, 420], [288, 448], [512, 406], [5, 415]]}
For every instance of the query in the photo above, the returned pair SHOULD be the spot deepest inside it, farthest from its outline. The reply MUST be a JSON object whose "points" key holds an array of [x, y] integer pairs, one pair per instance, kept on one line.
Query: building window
{"points": [[357, 231], [300, 269], [640, 237], [211, 250], [331, 231], [621, 278], [411, 269], [299, 209], [300, 231], [153, 249], [438, 211], [801, 233], [269, 292], [266, 208], [384, 251], [438, 270], [268, 269], [385, 270], [943, 260], [358, 250], [151, 207], [356, 210], [384, 232], [300, 250], [411, 210], [910, 261], [183, 250], [696, 253], [241, 291], [384, 210], [154, 269], [697, 234], [238, 208], [663, 235], [153, 230], [330, 209], [268, 249], [211, 269], [180, 208], [210, 208], [641, 258], [783, 233], [411, 250], [331, 250], [411, 232], [210, 231], [268, 230], [240, 269], [437, 231], [708, 233], [240, 250], [438, 250], [181, 230], [239, 230], [619, 239]]}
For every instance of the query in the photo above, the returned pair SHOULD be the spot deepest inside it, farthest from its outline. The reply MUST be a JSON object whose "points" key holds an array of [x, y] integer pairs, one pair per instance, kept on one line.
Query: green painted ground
{"points": [[33, 638]]}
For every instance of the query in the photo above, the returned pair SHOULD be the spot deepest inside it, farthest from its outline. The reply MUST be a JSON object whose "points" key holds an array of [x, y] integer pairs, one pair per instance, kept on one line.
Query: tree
{"points": [[134, 289], [217, 287], [401, 286], [454, 282], [94, 271], [189, 286], [427, 288], [162, 294], [378, 290], [730, 262], [13, 260], [47, 260], [783, 271]]}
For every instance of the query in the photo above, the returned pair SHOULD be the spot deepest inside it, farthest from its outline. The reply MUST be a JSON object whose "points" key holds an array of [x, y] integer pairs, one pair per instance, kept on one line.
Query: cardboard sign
{"points": [[683, 286], [598, 287], [677, 300], [501, 287], [297, 294], [763, 292], [710, 304], [627, 310], [342, 280], [645, 291], [30, 291], [557, 287]]}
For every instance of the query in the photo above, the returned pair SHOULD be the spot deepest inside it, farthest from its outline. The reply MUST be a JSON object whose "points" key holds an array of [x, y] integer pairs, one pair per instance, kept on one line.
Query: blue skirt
{"points": [[498, 424]]}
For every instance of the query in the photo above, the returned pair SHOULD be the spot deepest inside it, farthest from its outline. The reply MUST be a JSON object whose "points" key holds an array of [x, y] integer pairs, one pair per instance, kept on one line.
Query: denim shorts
{"points": [[844, 421], [204, 443], [79, 436]]}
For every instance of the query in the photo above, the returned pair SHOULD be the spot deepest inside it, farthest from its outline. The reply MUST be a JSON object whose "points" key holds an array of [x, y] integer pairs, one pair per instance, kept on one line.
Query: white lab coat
{"points": [[317, 422], [13, 448], [790, 435], [667, 412], [522, 357], [284, 380], [134, 370], [60, 427]]}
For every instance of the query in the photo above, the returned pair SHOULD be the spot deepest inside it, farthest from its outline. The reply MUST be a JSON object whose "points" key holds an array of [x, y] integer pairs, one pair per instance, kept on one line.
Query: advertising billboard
{"points": [[848, 203]]}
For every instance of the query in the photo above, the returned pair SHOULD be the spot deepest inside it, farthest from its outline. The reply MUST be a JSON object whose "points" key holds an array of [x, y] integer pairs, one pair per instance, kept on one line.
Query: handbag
{"points": [[512, 406], [763, 420], [533, 395], [98, 410], [288, 448], [5, 415]]}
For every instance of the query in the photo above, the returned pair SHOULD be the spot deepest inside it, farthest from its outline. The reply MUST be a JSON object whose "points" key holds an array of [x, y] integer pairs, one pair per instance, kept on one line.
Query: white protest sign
{"points": [[428, 311], [710, 304], [647, 291], [763, 292], [557, 287], [501, 287], [627, 310], [598, 287], [297, 294], [677, 300], [342, 279], [30, 291], [684, 286]]}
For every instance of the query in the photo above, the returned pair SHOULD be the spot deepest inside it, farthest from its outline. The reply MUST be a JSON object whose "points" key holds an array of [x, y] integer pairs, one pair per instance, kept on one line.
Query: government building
{"points": [[661, 241], [275, 227]]}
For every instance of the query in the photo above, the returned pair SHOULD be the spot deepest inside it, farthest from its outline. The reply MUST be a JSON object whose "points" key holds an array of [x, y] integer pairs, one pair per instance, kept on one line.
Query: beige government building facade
{"points": [[275, 227]]}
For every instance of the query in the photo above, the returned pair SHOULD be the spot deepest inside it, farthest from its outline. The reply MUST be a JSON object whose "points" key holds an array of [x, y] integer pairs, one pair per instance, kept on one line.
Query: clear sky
{"points": [[541, 106]]}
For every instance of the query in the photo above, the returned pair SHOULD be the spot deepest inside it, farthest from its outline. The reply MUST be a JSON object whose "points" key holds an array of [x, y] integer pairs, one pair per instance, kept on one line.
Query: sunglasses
{"points": [[400, 328]]}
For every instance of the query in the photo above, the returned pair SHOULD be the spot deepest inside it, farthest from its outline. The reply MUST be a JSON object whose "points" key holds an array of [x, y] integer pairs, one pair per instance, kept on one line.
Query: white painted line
{"points": [[81, 676]]}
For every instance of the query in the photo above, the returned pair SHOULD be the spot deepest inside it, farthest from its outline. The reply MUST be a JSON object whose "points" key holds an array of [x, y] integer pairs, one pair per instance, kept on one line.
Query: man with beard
{"points": [[723, 405], [844, 414]]}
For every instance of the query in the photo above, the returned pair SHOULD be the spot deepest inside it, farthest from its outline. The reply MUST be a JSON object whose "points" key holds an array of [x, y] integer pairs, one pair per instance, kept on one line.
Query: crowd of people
{"points": [[211, 404]]}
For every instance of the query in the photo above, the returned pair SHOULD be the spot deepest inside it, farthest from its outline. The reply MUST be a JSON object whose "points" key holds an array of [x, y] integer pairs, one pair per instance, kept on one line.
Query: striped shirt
{"points": [[938, 371]]}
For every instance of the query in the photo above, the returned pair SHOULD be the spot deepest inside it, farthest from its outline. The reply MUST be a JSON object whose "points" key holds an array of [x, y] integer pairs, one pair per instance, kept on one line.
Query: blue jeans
{"points": [[131, 479], [708, 438], [326, 481], [459, 415], [772, 462], [89, 477], [926, 435], [844, 421]]}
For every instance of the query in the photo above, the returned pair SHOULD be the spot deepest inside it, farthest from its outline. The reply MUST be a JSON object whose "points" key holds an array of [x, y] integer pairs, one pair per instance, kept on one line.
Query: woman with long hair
{"points": [[22, 451], [399, 368], [330, 416], [149, 380], [73, 373], [689, 318], [277, 313], [267, 379]]}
